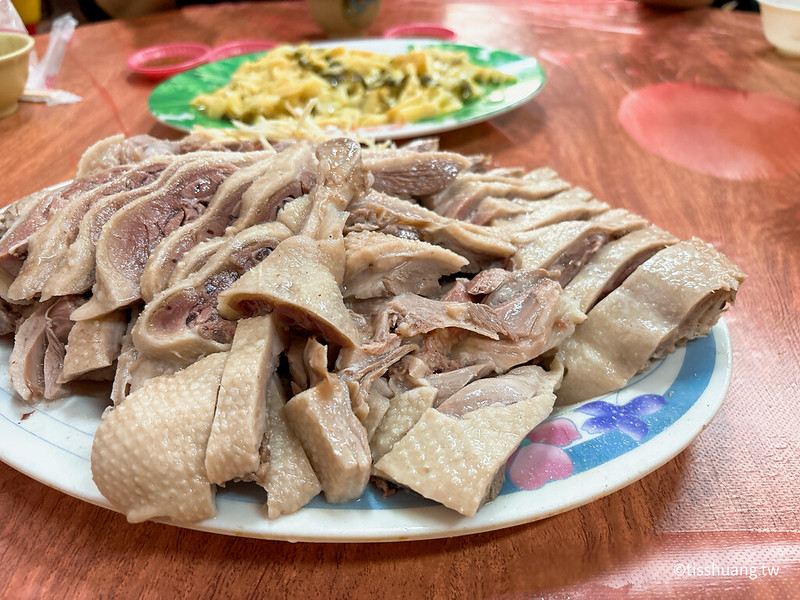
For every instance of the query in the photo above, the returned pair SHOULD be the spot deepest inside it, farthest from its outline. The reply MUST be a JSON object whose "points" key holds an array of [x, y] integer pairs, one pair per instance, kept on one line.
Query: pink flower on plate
{"points": [[534, 464]]}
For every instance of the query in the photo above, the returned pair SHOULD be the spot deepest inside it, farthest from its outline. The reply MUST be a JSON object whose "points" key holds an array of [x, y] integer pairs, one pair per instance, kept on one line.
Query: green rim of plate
{"points": [[170, 102]]}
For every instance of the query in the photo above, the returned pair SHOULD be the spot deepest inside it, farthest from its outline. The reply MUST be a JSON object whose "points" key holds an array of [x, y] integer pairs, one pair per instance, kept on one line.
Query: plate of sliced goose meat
{"points": [[319, 341]]}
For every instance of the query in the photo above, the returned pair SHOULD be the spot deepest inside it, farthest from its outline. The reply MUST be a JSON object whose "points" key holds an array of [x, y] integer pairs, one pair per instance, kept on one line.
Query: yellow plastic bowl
{"points": [[14, 50]]}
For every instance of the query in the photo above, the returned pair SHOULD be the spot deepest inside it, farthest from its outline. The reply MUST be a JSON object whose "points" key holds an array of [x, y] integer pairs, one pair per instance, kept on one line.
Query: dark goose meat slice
{"points": [[130, 236], [77, 276], [183, 323], [412, 174], [37, 358], [49, 245], [14, 243], [250, 196]]}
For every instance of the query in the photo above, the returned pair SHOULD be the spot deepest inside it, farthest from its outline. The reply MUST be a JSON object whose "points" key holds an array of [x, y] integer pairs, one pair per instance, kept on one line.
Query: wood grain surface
{"points": [[609, 120]]}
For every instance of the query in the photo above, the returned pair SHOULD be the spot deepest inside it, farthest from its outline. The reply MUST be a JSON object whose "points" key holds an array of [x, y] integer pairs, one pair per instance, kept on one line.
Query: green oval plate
{"points": [[170, 102]]}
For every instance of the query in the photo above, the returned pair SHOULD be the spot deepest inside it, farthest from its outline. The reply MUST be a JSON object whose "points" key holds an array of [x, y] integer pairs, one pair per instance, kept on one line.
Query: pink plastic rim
{"points": [[191, 53], [239, 47], [430, 30]]}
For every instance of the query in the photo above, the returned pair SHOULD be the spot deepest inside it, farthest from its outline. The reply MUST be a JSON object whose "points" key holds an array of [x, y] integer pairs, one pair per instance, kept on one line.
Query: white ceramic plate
{"points": [[170, 102], [581, 453]]}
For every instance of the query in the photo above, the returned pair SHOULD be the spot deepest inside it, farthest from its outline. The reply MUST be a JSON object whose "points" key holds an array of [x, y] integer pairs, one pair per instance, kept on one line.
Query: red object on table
{"points": [[165, 60], [239, 47], [720, 520], [421, 30]]}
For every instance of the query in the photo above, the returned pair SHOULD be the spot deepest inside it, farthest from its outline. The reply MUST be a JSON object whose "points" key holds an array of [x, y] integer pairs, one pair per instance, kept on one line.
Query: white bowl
{"points": [[781, 22]]}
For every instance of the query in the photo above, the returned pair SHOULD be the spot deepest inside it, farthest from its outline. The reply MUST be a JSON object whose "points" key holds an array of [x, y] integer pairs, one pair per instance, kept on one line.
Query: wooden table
{"points": [[729, 500]]}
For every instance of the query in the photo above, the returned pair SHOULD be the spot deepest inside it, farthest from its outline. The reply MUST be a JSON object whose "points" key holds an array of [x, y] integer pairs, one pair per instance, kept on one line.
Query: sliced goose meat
{"points": [[515, 386], [320, 215], [49, 245], [195, 142], [315, 359], [486, 282], [533, 318], [248, 197], [290, 481], [26, 369], [457, 292], [413, 174], [563, 248], [196, 258], [608, 267], [78, 273], [408, 315], [133, 370], [94, 345], [482, 246], [341, 178], [295, 281], [405, 409], [11, 315], [542, 321], [183, 322], [14, 244], [130, 236], [37, 358], [359, 369], [514, 175], [567, 206], [293, 176], [118, 150], [460, 199], [334, 439], [448, 383], [492, 209], [148, 455], [298, 365], [382, 265], [378, 401], [427, 144], [519, 301], [454, 459], [675, 296], [218, 215], [241, 420], [19, 209]]}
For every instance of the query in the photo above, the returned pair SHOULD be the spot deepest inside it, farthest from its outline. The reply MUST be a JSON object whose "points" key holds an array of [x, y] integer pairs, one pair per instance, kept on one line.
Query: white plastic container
{"points": [[781, 22]]}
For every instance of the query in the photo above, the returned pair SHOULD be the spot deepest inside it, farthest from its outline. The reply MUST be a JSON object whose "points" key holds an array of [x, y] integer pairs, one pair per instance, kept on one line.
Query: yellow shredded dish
{"points": [[350, 88]]}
